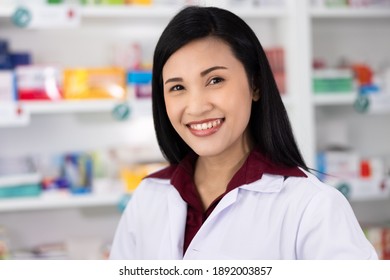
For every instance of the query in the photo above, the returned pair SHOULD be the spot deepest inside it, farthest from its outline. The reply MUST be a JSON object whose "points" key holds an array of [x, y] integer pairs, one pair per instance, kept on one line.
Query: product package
{"points": [[95, 83], [19, 178], [333, 81], [38, 82], [139, 86]]}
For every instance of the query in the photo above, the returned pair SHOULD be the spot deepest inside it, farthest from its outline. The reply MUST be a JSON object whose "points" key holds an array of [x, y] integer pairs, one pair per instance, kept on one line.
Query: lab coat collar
{"points": [[267, 184]]}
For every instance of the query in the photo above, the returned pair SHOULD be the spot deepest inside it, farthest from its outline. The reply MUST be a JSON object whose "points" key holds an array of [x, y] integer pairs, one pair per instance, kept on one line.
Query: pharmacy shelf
{"points": [[63, 201], [128, 12], [29, 108], [332, 99], [157, 12], [68, 106], [167, 12], [383, 12]]}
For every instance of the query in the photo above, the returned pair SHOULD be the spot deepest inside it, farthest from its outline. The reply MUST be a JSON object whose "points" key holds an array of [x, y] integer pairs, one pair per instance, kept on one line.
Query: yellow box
{"points": [[140, 2], [133, 175], [95, 83]]}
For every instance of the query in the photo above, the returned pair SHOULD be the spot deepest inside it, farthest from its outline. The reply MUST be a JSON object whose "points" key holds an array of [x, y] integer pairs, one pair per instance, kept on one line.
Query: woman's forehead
{"points": [[201, 53]]}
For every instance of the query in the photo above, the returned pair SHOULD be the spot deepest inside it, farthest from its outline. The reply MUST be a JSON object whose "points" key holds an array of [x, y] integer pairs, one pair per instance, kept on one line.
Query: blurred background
{"points": [[76, 131]]}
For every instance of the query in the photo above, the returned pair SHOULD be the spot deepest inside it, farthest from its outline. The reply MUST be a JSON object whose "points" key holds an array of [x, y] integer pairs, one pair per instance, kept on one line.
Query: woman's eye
{"points": [[176, 88], [215, 80]]}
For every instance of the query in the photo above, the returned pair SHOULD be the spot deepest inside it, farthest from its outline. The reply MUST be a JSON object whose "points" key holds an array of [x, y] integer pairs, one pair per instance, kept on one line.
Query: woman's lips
{"points": [[205, 127]]}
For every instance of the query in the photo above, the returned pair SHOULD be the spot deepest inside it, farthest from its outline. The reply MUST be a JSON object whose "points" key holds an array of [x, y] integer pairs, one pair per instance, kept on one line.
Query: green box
{"points": [[20, 191]]}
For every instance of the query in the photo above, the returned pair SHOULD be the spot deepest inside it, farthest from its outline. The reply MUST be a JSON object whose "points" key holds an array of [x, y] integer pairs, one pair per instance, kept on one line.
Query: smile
{"points": [[205, 125]]}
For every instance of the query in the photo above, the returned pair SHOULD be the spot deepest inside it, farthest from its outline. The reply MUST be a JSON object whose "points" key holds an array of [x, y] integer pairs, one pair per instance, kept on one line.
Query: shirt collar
{"points": [[181, 175]]}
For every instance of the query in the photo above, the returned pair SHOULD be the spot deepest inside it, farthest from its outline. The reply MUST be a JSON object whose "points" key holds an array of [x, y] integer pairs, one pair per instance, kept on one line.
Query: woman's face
{"points": [[207, 96]]}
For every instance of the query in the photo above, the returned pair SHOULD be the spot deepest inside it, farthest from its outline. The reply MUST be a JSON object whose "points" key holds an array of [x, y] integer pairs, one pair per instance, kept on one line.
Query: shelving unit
{"points": [[274, 25], [360, 35], [334, 99], [304, 32], [345, 13], [62, 201], [69, 106], [158, 12]]}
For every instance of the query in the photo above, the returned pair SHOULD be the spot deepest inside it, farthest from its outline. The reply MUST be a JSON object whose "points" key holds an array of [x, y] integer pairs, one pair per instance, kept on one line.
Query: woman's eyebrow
{"points": [[176, 79], [202, 74], [211, 69]]}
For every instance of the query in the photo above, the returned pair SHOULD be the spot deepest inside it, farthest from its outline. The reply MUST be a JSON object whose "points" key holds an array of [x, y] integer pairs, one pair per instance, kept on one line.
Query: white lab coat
{"points": [[272, 218]]}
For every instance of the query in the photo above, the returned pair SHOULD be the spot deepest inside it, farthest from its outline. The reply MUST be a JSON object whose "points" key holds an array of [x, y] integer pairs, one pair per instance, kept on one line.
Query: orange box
{"points": [[95, 83]]}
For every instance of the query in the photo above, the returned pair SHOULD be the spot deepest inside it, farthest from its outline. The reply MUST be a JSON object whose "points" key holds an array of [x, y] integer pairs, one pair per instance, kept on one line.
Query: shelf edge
{"points": [[46, 203], [349, 13]]}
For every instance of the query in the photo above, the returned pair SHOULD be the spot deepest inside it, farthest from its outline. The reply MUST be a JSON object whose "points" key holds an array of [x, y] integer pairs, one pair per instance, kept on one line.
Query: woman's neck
{"points": [[213, 174]]}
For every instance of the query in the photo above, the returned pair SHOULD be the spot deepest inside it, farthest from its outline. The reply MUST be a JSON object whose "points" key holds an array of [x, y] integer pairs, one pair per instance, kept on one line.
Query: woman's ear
{"points": [[256, 95]]}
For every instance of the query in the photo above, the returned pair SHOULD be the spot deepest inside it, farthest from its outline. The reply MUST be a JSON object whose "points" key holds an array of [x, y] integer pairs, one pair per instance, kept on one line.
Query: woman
{"points": [[237, 186]]}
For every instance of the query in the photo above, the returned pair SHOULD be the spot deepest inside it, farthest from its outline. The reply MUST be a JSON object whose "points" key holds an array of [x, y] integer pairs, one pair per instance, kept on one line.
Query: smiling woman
{"points": [[237, 186], [202, 102]]}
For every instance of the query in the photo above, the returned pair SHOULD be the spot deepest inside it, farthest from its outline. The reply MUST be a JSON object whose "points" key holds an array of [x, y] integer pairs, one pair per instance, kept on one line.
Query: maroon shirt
{"points": [[182, 178]]}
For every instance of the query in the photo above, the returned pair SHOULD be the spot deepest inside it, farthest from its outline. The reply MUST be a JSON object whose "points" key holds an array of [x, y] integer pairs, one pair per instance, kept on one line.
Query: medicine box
{"points": [[94, 83], [38, 82], [333, 81]]}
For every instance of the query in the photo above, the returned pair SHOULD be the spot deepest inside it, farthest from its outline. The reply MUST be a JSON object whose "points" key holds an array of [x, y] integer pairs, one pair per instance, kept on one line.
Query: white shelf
{"points": [[140, 12], [58, 107], [332, 99], [69, 106], [131, 11], [260, 12], [59, 202], [383, 12]]}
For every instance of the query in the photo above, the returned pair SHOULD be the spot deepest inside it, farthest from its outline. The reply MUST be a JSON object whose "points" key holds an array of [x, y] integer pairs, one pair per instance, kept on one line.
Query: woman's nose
{"points": [[198, 103]]}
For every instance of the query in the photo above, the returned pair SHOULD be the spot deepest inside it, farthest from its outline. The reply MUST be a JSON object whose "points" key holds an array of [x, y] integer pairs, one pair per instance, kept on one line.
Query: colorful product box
{"points": [[140, 84], [71, 172], [5, 58], [355, 177], [38, 83], [95, 83], [335, 81], [19, 178], [78, 172], [140, 92], [104, 2], [117, 2]]}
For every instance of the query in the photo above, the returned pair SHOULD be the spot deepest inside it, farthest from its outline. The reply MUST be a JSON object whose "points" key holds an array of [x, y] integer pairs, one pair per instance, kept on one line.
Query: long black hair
{"points": [[269, 124]]}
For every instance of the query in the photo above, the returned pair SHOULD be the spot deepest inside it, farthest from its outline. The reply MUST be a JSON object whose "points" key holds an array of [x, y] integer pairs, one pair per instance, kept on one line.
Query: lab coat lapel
{"points": [[225, 202], [196, 247], [177, 213]]}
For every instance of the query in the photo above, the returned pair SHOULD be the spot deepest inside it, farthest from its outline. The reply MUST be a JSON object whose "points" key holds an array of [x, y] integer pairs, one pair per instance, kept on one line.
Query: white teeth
{"points": [[204, 126]]}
